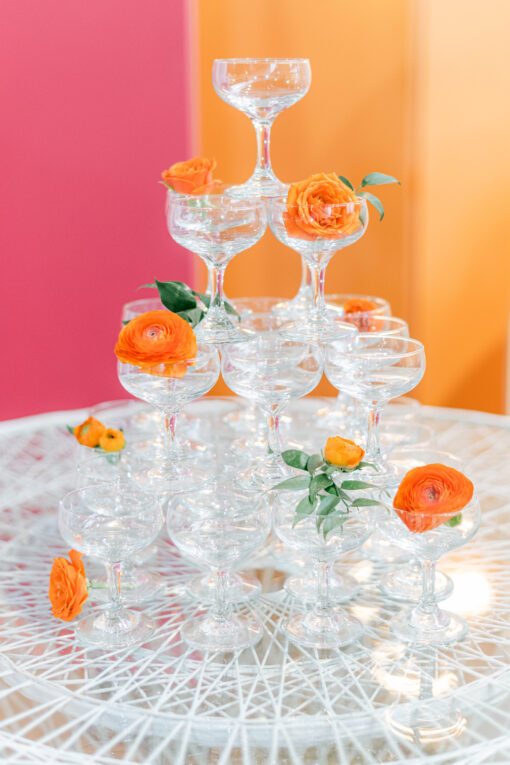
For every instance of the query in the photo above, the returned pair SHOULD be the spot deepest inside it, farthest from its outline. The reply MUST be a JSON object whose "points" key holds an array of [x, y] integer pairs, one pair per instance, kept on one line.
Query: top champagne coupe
{"points": [[261, 88]]}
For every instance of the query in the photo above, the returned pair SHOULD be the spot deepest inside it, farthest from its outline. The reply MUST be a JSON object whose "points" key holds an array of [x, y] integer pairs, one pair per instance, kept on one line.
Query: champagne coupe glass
{"points": [[405, 582], [426, 623], [261, 88], [271, 369], [169, 395], [351, 219], [219, 526], [216, 227], [302, 302], [374, 368], [324, 626], [111, 526]]}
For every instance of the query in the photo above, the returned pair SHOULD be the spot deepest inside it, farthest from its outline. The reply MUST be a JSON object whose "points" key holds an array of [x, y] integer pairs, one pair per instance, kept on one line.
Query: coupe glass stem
{"points": [[115, 607], [273, 434], [322, 605], [306, 276], [318, 275], [373, 449], [220, 607], [263, 131], [170, 442], [427, 604]]}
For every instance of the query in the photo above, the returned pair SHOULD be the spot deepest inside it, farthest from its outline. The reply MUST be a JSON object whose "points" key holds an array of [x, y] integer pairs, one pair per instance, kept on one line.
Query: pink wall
{"points": [[95, 103]]}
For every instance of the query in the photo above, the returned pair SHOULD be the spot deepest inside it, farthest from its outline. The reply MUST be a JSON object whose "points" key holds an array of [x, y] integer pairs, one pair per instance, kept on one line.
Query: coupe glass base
{"points": [[185, 477], [259, 186], [342, 587], [208, 634], [220, 334], [261, 477], [409, 627], [406, 583], [136, 587], [426, 722], [134, 629], [335, 630], [238, 588]]}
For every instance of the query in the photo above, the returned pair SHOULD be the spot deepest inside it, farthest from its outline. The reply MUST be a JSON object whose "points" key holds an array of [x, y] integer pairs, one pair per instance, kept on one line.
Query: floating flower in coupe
{"points": [[431, 495], [342, 452], [89, 432], [322, 206], [358, 311], [158, 342], [68, 586], [112, 440], [359, 305], [195, 176]]}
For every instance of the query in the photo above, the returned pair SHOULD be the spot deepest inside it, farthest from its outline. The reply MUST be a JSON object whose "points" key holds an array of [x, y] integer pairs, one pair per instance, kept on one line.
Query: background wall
{"points": [[415, 89], [95, 101]]}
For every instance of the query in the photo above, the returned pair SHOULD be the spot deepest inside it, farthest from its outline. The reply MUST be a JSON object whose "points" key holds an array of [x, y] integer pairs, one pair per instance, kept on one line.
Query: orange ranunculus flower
{"points": [[89, 432], [68, 586], [431, 494], [112, 440], [310, 209], [342, 452], [359, 305], [358, 311], [159, 342], [195, 176]]}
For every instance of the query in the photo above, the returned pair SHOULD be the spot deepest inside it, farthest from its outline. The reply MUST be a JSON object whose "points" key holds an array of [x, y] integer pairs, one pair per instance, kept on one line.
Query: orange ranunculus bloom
{"points": [[359, 305], [311, 213], [159, 342], [342, 452], [195, 176], [68, 586], [431, 494], [356, 311], [89, 432], [112, 440]]}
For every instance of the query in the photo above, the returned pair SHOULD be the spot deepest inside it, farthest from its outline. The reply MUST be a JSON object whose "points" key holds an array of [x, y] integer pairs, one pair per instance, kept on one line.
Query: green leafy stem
{"points": [[371, 179], [330, 502], [182, 300]]}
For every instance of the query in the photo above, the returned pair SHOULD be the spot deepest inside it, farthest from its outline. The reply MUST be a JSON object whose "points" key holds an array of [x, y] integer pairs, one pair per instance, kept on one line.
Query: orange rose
{"points": [[358, 311], [311, 212], [359, 305], [68, 586], [342, 452], [112, 440], [430, 495], [159, 342], [195, 176], [89, 432]]}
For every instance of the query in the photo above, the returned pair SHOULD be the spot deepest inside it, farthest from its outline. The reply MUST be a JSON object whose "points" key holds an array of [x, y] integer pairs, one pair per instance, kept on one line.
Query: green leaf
{"points": [[377, 179], [364, 502], [367, 464], [293, 484], [149, 286], [229, 308], [333, 489], [332, 469], [204, 298], [375, 201], [452, 522], [343, 495], [126, 322], [314, 462], [193, 316], [327, 505], [317, 484], [346, 181], [332, 523], [176, 296], [355, 485], [70, 429], [295, 458]]}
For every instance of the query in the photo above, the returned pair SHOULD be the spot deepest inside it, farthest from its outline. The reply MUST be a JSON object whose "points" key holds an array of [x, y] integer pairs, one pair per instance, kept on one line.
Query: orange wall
{"points": [[413, 89]]}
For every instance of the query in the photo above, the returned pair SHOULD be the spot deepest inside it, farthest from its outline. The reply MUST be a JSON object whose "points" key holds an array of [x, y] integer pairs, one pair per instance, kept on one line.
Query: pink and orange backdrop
{"points": [[100, 96]]}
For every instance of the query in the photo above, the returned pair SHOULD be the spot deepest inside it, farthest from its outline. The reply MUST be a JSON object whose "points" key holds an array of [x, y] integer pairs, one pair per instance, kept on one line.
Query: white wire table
{"points": [[163, 704]]}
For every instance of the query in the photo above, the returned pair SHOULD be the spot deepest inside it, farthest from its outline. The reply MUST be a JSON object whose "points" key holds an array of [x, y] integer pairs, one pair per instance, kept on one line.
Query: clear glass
{"points": [[261, 88], [271, 369], [426, 623], [111, 524], [216, 227], [169, 395], [374, 368], [302, 303], [324, 626], [350, 219], [219, 527]]}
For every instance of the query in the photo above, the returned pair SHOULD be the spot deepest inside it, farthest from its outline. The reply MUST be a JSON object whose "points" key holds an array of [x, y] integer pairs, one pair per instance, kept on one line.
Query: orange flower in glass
{"points": [[112, 440], [359, 305], [158, 342], [358, 311], [68, 586], [89, 432], [430, 495], [342, 452], [195, 176], [322, 206]]}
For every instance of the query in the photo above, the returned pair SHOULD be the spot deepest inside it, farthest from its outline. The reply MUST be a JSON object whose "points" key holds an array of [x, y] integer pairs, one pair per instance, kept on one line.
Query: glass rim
{"points": [[279, 202], [123, 484], [366, 335], [423, 514], [176, 198], [260, 60]]}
